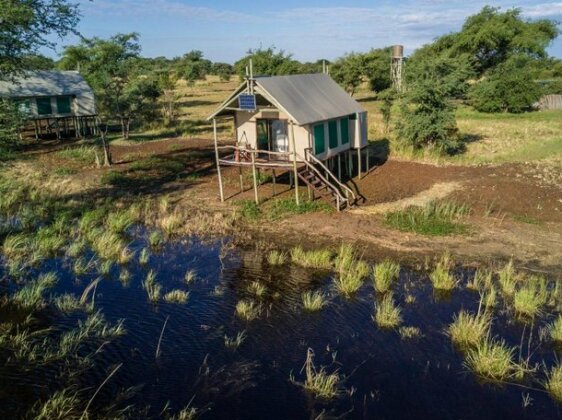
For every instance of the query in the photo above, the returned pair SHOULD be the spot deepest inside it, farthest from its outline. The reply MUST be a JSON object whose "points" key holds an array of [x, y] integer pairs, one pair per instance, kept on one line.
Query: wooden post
{"points": [[367, 163], [57, 122], [217, 158], [241, 179], [274, 181], [349, 164], [359, 162], [297, 199], [255, 177], [36, 131], [339, 166]]}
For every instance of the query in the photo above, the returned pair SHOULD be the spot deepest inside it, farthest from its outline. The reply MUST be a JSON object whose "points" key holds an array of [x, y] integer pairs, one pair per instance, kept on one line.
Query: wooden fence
{"points": [[550, 102]]}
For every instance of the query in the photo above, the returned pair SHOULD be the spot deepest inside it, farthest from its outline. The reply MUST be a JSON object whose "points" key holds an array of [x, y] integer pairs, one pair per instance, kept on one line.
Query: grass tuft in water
{"points": [[176, 296], [529, 299], [152, 287], [319, 383], [350, 271], [320, 259], [247, 310], [313, 301], [555, 330], [144, 256], [489, 297], [409, 333], [276, 257], [508, 279], [233, 343], [190, 276], [256, 288], [31, 295], [104, 268], [384, 274], [441, 276], [553, 383], [491, 360], [119, 222], [387, 314], [468, 330], [155, 239], [68, 303], [481, 281]]}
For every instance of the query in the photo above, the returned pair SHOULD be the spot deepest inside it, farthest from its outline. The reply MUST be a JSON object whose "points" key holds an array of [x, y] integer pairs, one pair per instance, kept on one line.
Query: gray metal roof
{"points": [[310, 98], [46, 83], [307, 98]]}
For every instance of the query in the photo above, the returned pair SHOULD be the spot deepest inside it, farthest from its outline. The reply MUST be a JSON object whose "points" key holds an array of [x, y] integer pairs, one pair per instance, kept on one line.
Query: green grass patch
{"points": [[64, 171], [524, 218], [115, 178], [435, 219], [82, 154]]}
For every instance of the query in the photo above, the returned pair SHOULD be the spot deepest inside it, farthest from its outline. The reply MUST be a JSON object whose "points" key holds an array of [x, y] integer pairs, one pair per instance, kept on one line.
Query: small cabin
{"points": [[305, 122], [55, 102], [323, 117]]}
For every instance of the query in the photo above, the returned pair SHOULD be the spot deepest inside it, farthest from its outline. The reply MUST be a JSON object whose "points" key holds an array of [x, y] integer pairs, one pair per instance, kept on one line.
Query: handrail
{"points": [[319, 174], [308, 154]]}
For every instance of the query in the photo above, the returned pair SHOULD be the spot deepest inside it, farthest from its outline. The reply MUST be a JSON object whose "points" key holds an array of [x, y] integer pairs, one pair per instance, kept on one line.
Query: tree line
{"points": [[497, 62]]}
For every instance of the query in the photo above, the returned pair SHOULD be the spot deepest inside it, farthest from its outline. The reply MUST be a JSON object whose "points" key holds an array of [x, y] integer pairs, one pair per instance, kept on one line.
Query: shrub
{"points": [[428, 118], [510, 87]]}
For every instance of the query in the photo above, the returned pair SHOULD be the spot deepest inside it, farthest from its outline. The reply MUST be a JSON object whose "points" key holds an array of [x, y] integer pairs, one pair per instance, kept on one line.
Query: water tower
{"points": [[397, 62]]}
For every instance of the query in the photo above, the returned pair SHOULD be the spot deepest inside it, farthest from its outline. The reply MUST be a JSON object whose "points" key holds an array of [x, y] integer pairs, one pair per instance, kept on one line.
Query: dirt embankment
{"points": [[516, 209]]}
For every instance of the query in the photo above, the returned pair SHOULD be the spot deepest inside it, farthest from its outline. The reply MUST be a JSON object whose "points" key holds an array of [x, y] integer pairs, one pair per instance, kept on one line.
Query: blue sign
{"points": [[247, 102]]}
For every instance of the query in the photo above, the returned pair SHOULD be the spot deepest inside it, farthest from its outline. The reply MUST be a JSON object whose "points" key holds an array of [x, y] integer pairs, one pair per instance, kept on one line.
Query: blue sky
{"points": [[310, 29]]}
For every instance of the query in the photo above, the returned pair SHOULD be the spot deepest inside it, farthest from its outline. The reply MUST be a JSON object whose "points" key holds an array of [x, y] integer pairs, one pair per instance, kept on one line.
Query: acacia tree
{"points": [[26, 26], [267, 62], [348, 71], [114, 70]]}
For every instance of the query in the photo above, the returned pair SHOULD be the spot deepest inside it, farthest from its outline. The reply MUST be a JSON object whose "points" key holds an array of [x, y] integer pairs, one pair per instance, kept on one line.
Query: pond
{"points": [[384, 375]]}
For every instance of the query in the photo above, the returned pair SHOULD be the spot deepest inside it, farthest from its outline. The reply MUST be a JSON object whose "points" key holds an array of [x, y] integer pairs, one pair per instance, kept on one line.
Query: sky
{"points": [[309, 29]]}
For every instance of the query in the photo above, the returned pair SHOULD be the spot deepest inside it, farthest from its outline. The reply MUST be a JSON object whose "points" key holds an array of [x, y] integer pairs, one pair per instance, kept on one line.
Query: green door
{"points": [[44, 106], [263, 134], [319, 139], [63, 105], [344, 128]]}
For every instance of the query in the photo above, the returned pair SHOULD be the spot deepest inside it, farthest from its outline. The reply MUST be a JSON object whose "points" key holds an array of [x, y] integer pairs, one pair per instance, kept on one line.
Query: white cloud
{"points": [[543, 10]]}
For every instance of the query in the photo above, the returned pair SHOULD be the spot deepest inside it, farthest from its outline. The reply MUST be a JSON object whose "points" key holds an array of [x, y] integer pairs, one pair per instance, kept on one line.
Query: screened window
{"points": [[319, 139], [63, 105], [24, 106], [44, 106], [344, 127], [353, 117], [333, 132]]}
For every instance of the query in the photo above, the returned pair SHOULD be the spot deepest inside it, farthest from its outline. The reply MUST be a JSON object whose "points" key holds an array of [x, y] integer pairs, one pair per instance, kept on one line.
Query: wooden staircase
{"points": [[326, 186]]}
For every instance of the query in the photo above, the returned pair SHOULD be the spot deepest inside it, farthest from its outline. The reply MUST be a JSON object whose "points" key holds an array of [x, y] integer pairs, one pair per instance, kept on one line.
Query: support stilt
{"points": [[254, 173], [359, 162], [339, 167], [241, 179], [274, 182], [217, 158], [297, 199]]}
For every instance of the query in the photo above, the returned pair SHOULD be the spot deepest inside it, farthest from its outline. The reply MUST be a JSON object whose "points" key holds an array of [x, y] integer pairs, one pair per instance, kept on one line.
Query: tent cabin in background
{"points": [[57, 103], [303, 123]]}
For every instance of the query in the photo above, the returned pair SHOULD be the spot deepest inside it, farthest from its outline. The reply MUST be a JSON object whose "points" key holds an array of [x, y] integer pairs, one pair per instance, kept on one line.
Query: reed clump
{"points": [[553, 383], [31, 295], [530, 297], [387, 314], [350, 271], [492, 360], [441, 277], [152, 287], [481, 281], [233, 343], [176, 296], [313, 301], [257, 289], [468, 330], [409, 333], [276, 257], [320, 259], [318, 382], [384, 274], [190, 276], [507, 278], [144, 256], [247, 310], [555, 330]]}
